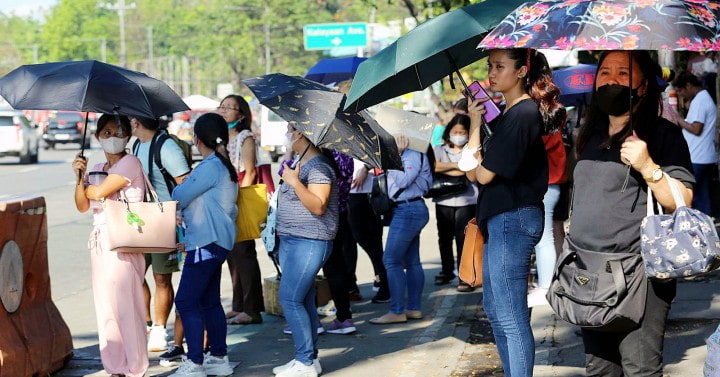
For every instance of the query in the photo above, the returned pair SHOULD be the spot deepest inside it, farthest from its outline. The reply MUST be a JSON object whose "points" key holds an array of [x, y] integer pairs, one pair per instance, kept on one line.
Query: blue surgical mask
{"points": [[232, 124]]}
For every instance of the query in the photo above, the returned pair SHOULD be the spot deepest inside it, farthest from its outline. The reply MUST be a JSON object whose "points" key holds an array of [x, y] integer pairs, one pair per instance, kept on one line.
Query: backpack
{"points": [[160, 138]]}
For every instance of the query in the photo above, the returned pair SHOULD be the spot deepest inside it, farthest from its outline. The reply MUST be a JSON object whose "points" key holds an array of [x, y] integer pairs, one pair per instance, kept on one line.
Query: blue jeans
{"points": [[701, 196], [301, 260], [545, 253], [402, 253], [512, 235], [198, 302]]}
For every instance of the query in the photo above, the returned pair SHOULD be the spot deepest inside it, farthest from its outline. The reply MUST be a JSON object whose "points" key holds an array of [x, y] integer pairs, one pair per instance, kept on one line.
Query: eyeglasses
{"points": [[226, 108]]}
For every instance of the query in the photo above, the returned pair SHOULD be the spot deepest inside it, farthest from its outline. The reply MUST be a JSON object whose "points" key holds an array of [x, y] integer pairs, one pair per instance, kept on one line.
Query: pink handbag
{"points": [[140, 227]]}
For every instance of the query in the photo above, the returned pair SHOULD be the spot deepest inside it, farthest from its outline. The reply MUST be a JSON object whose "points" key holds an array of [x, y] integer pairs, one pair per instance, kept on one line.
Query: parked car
{"points": [[64, 128], [18, 137]]}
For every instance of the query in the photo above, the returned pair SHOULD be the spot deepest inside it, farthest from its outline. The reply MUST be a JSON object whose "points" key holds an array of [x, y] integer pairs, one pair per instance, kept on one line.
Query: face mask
{"points": [[614, 99], [289, 142], [459, 140], [114, 145], [232, 124]]}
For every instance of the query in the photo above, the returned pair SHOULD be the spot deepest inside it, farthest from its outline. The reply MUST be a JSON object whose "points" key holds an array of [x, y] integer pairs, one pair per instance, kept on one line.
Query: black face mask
{"points": [[614, 99]]}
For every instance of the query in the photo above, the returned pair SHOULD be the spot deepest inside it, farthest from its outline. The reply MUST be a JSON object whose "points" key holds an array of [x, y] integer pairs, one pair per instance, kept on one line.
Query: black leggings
{"points": [[451, 223], [335, 270]]}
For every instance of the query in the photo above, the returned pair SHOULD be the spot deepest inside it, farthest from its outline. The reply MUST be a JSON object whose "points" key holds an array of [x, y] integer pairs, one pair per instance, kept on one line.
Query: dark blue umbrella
{"points": [[328, 71]]}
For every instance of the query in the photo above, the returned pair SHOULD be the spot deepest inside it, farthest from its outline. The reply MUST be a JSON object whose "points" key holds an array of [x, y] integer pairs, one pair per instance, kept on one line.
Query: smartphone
{"points": [[491, 109], [295, 161]]}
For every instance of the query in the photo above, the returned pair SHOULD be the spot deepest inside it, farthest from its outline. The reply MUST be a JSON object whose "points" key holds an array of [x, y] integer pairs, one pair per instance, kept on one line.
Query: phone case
{"points": [[491, 109]]}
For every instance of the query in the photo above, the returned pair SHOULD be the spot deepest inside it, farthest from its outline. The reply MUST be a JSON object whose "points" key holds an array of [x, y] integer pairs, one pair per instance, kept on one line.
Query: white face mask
{"points": [[459, 140], [289, 142], [114, 145]]}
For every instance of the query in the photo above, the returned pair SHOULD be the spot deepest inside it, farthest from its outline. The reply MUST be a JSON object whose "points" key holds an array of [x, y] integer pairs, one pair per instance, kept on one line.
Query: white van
{"points": [[18, 137], [272, 133]]}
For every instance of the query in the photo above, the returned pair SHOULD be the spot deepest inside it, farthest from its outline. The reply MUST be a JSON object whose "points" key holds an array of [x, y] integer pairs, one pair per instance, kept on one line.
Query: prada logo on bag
{"points": [[582, 280]]}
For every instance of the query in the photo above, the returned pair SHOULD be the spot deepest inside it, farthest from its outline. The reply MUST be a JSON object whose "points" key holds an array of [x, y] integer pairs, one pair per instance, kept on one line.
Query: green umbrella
{"points": [[431, 51]]}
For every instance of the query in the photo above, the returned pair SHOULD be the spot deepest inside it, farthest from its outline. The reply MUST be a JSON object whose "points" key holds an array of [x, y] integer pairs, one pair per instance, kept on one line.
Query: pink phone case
{"points": [[491, 109]]}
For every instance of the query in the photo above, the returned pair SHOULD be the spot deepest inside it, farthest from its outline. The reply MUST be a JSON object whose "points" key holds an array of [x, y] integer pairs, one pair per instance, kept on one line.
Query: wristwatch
{"points": [[655, 176]]}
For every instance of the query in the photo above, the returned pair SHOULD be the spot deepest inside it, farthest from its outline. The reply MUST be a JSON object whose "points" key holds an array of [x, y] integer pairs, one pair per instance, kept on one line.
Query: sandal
{"points": [[244, 319], [231, 314], [464, 287], [442, 279]]}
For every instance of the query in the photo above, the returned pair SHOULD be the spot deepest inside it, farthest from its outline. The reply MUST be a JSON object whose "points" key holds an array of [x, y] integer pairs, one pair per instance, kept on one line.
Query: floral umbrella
{"points": [[691, 25]]}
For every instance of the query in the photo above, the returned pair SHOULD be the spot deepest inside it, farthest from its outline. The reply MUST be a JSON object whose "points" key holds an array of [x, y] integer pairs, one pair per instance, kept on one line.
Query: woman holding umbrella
{"points": [[117, 277], [606, 218], [512, 169]]}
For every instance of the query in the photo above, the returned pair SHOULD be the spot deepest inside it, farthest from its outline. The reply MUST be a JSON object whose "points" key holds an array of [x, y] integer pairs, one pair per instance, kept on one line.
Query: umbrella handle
{"points": [[82, 146]]}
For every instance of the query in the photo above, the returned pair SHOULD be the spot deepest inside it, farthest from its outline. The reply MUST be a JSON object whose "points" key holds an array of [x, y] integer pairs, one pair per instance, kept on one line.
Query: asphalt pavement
{"points": [[454, 338]]}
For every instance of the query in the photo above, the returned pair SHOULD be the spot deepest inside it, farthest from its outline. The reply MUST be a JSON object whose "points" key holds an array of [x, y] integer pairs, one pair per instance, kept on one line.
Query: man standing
{"points": [[699, 131], [174, 165]]}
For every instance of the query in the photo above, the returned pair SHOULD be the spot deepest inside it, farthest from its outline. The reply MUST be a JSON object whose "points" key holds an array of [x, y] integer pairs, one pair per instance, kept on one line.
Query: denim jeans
{"points": [[512, 235], [701, 196], [402, 253], [198, 302], [301, 260], [545, 253]]}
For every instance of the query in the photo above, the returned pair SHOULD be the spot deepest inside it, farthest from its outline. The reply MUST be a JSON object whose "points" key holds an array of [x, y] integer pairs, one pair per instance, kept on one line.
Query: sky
{"points": [[25, 7]]}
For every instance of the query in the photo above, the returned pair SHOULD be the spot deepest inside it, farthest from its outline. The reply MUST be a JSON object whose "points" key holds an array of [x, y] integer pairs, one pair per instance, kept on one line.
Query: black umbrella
{"points": [[316, 111], [88, 86]]}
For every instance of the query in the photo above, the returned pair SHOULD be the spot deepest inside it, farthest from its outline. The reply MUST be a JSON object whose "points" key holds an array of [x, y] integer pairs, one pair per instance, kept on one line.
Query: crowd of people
{"points": [[517, 166]]}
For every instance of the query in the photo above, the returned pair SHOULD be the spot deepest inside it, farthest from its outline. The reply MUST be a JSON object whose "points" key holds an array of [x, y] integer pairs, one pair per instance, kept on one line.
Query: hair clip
{"points": [[218, 140]]}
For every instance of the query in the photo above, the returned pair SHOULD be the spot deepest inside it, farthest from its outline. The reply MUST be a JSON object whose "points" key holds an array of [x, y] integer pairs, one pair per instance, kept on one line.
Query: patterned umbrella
{"points": [[691, 25], [317, 112]]}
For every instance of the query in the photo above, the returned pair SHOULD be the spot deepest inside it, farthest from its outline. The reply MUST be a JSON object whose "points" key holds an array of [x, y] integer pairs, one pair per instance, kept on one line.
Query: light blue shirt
{"points": [[172, 159], [208, 200], [415, 179]]}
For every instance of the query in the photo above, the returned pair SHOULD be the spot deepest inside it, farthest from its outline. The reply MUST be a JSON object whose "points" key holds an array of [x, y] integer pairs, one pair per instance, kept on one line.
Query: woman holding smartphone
{"points": [[511, 168]]}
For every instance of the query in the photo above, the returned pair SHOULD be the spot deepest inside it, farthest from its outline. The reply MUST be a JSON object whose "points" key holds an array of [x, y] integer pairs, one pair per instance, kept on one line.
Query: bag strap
{"points": [[674, 189]]}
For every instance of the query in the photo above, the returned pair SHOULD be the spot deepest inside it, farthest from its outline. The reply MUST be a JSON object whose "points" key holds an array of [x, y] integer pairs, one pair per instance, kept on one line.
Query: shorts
{"points": [[162, 263]]}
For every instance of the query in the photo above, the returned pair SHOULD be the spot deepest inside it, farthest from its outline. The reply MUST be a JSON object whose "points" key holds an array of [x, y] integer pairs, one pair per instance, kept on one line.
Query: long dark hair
{"points": [[460, 119], [649, 107], [540, 86], [212, 130], [246, 122]]}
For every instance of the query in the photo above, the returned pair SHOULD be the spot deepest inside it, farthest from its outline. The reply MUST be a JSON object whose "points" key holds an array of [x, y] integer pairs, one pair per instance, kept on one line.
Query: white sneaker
{"points": [[189, 369], [536, 297], [298, 369], [157, 340], [217, 366], [284, 367]]}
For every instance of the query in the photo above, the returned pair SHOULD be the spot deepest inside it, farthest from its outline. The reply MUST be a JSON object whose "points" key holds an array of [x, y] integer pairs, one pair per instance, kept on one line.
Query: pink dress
{"points": [[117, 280]]}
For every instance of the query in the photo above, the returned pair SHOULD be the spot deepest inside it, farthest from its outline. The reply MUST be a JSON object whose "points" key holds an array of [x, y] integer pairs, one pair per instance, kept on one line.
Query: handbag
{"points": [[470, 270], [140, 227], [380, 200], [263, 170], [252, 203], [684, 243], [598, 291], [269, 232], [446, 185]]}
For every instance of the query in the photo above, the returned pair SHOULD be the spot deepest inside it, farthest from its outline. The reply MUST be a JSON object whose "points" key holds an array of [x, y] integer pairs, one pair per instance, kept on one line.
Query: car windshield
{"points": [[66, 117]]}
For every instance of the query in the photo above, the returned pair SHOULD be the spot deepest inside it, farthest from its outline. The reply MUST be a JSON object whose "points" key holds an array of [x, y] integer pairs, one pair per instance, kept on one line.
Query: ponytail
{"points": [[541, 88], [212, 130]]}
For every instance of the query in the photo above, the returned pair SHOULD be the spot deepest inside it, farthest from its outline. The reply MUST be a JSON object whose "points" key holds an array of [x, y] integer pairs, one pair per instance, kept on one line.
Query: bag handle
{"points": [[676, 193]]}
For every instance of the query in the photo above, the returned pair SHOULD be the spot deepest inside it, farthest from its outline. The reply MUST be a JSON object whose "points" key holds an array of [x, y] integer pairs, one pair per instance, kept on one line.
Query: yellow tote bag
{"points": [[252, 206]]}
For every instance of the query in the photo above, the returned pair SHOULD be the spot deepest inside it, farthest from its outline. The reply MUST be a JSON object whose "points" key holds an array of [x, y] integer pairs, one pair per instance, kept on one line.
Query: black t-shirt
{"points": [[606, 219], [516, 154]]}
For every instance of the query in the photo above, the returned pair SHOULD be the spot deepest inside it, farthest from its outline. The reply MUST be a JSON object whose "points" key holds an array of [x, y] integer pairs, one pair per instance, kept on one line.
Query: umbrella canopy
{"points": [[610, 25], [89, 86], [316, 111], [431, 51], [417, 127], [200, 102], [328, 71]]}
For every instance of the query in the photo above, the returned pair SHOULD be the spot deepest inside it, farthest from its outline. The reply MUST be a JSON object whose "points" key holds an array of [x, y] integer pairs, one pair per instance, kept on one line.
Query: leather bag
{"points": [[470, 270], [598, 291], [140, 227], [681, 244], [252, 203], [445, 185]]}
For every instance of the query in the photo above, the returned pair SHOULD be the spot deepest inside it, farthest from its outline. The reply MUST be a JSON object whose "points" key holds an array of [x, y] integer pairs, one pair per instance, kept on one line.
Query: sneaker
{"points": [[217, 366], [345, 327], [172, 356], [536, 297], [157, 340], [320, 329], [295, 368], [327, 310], [189, 369]]}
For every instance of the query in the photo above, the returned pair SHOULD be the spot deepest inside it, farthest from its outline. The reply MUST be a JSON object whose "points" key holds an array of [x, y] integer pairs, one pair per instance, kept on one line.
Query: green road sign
{"points": [[327, 36]]}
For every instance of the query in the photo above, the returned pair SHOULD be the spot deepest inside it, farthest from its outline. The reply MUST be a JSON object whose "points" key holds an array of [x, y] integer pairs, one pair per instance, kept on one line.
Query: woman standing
{"points": [[454, 211], [247, 301], [117, 278], [512, 169], [606, 218], [307, 221], [207, 199], [402, 249]]}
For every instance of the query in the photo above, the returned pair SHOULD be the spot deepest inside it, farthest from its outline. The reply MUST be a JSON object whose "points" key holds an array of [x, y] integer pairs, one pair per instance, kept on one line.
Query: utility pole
{"points": [[266, 29], [151, 63], [120, 7], [34, 48]]}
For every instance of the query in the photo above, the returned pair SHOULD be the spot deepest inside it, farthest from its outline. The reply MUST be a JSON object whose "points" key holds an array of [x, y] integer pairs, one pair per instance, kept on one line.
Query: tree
{"points": [[73, 31]]}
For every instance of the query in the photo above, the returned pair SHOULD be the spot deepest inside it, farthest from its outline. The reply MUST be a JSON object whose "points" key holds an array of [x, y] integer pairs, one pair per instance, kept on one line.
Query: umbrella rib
{"points": [[418, 75]]}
